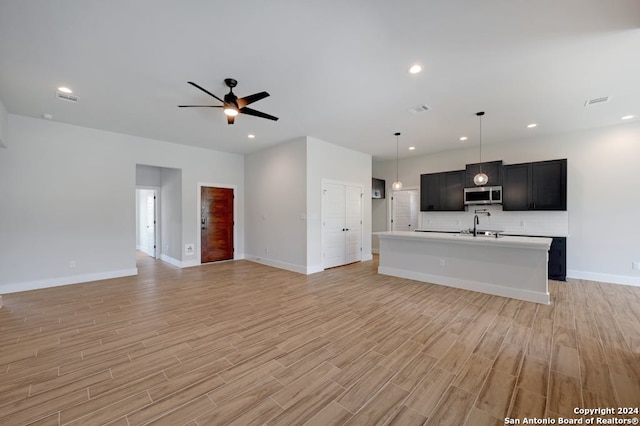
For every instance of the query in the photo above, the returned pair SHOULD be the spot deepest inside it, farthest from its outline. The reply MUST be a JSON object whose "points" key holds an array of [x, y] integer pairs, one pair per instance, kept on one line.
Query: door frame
{"points": [[157, 233], [390, 207], [198, 249], [322, 236]]}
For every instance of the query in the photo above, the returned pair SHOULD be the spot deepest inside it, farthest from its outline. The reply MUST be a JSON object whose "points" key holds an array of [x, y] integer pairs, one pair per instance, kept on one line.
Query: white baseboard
{"points": [[280, 265], [189, 263], [367, 257], [171, 261], [605, 278], [375, 250], [72, 279], [314, 269]]}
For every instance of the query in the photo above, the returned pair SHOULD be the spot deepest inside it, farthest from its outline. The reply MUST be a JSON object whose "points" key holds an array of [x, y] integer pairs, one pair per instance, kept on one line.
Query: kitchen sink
{"points": [[484, 234]]}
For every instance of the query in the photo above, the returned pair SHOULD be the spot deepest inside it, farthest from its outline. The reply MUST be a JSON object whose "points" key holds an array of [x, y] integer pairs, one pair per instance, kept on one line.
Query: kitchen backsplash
{"points": [[543, 223]]}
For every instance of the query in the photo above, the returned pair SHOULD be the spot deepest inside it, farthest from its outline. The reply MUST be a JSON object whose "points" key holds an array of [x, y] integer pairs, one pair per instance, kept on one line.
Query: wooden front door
{"points": [[216, 224]]}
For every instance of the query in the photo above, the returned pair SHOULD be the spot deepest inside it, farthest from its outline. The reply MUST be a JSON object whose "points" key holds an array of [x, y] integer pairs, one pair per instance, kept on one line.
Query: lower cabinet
{"points": [[558, 259]]}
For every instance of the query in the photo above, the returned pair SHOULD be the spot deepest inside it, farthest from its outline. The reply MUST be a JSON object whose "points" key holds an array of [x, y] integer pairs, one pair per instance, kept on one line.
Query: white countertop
{"points": [[540, 243]]}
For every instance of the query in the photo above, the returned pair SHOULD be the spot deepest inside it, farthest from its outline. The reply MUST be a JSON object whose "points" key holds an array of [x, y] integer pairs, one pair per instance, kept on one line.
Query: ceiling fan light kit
{"points": [[231, 104]]}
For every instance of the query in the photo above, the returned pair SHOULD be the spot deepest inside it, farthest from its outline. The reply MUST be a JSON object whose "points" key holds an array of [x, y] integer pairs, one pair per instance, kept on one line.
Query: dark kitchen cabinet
{"points": [[516, 187], [430, 192], [492, 169], [549, 185], [377, 188], [442, 191], [535, 186], [557, 269]]}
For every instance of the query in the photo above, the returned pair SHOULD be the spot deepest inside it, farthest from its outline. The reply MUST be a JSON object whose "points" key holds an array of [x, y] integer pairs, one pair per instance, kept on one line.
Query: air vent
{"points": [[596, 101], [66, 97], [419, 109]]}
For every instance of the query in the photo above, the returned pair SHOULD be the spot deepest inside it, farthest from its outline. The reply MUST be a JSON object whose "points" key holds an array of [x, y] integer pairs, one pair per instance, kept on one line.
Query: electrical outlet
{"points": [[266, 250], [635, 265], [442, 262], [523, 223], [189, 249], [72, 264]]}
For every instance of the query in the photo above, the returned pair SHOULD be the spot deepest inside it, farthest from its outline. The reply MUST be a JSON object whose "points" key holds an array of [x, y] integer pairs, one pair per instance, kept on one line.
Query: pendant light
{"points": [[480, 178], [397, 185]]}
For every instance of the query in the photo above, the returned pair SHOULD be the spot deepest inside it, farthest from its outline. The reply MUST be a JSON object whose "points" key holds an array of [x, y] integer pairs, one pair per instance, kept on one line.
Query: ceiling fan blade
{"points": [[243, 102], [204, 90], [199, 106], [255, 113], [231, 119]]}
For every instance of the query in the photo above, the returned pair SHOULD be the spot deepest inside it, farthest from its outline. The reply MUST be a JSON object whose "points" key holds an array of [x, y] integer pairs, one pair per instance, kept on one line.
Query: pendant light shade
{"points": [[480, 178], [397, 185]]}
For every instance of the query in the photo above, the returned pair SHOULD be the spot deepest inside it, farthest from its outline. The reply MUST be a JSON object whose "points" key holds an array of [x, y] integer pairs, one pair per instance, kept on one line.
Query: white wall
{"points": [[68, 193], [148, 176], [276, 205], [171, 213], [328, 161], [4, 119], [602, 201], [284, 195]]}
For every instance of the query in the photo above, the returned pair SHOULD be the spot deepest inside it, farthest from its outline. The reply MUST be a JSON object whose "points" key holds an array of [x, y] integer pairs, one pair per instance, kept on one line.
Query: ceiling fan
{"points": [[232, 105]]}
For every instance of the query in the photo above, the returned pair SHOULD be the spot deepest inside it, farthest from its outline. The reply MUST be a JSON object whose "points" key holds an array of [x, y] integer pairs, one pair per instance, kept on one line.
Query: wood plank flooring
{"points": [[241, 343]]}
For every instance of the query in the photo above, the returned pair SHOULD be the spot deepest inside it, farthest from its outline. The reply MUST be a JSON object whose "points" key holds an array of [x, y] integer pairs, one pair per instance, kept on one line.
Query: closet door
{"points": [[341, 224], [353, 224]]}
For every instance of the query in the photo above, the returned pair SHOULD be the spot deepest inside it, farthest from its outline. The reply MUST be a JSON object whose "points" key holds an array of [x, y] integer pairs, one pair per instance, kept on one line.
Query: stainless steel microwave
{"points": [[483, 195]]}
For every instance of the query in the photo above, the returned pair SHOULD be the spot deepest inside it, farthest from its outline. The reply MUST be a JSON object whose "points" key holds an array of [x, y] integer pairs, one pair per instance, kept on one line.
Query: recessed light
{"points": [[47, 116], [532, 125], [464, 138], [64, 89], [411, 148], [627, 117], [251, 136], [415, 69]]}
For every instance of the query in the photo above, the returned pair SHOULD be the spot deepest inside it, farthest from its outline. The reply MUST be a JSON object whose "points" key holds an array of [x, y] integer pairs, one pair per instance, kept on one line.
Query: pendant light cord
{"points": [[480, 114], [397, 161]]}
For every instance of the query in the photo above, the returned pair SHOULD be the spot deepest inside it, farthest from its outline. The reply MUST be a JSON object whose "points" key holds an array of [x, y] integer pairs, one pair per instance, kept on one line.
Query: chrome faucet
{"points": [[476, 220]]}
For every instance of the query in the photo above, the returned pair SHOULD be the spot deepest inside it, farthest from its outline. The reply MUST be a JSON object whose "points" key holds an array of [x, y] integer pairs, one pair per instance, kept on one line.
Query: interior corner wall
{"points": [[276, 206], [4, 120], [68, 200], [171, 213], [602, 204], [332, 162]]}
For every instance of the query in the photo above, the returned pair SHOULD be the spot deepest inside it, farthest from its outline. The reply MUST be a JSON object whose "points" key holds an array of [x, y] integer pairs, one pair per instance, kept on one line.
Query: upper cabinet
{"points": [[492, 169], [377, 188], [442, 191], [535, 186]]}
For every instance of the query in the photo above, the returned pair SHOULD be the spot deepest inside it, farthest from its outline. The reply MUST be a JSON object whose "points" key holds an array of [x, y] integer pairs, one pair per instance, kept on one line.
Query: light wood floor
{"points": [[241, 343]]}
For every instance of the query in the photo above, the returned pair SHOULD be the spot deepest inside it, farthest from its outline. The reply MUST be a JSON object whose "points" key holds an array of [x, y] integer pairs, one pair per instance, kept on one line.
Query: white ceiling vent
{"points": [[596, 101], [419, 109], [66, 97]]}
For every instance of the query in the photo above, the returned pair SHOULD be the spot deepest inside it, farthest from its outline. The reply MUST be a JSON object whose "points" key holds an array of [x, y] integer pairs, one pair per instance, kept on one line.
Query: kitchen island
{"points": [[507, 266]]}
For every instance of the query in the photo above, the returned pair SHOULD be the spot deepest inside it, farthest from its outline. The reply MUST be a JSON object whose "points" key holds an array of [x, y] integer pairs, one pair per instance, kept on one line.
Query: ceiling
{"points": [[336, 70]]}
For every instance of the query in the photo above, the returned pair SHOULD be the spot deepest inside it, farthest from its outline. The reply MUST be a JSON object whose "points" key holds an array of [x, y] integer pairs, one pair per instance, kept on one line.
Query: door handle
{"points": [[203, 223]]}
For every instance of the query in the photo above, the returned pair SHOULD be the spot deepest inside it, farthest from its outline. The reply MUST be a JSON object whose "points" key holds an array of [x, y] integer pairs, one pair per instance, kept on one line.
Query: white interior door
{"points": [[333, 224], [404, 210], [353, 224], [151, 224], [341, 224]]}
